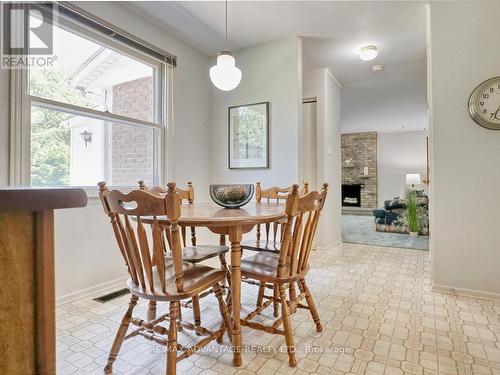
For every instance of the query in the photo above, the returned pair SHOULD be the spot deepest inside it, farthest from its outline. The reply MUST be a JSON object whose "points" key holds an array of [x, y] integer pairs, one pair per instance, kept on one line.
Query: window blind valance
{"points": [[84, 18]]}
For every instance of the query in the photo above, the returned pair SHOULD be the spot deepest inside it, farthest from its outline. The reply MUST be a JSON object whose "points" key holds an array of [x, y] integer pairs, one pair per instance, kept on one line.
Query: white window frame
{"points": [[22, 101]]}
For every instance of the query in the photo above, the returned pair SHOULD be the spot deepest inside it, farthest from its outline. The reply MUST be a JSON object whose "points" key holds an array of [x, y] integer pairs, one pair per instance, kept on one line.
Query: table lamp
{"points": [[413, 179]]}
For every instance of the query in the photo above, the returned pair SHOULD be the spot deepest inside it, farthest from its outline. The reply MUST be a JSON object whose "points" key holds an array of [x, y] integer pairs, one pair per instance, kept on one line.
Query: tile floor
{"points": [[378, 312], [361, 229]]}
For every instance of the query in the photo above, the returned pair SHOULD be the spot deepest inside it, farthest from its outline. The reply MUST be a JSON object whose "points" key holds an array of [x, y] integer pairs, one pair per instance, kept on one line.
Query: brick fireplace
{"points": [[351, 195], [359, 168]]}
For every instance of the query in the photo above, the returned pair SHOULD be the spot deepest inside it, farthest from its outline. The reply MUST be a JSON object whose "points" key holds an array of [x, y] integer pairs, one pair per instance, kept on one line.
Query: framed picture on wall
{"points": [[248, 145]]}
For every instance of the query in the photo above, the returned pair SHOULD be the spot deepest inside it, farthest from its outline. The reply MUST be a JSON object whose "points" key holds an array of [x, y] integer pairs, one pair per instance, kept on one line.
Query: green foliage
{"points": [[411, 210], [50, 148], [50, 135], [249, 135]]}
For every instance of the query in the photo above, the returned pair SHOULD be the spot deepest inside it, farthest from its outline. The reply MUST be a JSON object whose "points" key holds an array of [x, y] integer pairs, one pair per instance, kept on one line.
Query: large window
{"points": [[96, 114]]}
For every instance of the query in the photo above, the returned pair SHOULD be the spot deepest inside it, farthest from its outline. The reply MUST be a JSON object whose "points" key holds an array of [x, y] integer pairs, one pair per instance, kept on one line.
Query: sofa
{"points": [[392, 217]]}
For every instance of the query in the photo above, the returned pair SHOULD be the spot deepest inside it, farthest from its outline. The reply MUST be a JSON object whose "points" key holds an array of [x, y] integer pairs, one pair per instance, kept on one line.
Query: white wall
{"points": [[87, 161], [391, 101], [308, 164], [465, 173], [86, 252], [399, 153], [320, 84], [313, 87], [271, 72]]}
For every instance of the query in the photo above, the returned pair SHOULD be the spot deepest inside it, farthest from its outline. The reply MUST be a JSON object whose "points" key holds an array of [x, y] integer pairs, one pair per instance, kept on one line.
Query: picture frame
{"points": [[248, 136]]}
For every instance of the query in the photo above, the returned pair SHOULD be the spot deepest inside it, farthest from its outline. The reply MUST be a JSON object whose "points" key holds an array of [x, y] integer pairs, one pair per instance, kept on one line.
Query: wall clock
{"points": [[484, 104]]}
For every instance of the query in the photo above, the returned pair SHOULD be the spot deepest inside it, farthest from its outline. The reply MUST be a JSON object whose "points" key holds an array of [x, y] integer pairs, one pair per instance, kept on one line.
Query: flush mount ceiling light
{"points": [[225, 75], [368, 53]]}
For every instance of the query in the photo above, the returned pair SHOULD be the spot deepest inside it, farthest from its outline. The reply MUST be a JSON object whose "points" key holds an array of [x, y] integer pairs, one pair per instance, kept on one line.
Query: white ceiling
{"points": [[392, 102], [332, 33]]}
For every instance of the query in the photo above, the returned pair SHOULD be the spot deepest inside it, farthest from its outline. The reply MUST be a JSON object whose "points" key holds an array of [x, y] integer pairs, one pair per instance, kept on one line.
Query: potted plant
{"points": [[411, 212]]}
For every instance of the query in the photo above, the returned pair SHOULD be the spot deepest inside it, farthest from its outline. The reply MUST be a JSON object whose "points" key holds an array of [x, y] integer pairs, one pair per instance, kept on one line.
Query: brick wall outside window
{"points": [[132, 146]]}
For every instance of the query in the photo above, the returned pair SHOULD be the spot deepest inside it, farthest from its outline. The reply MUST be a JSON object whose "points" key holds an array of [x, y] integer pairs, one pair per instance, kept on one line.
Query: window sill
{"points": [[93, 200]]}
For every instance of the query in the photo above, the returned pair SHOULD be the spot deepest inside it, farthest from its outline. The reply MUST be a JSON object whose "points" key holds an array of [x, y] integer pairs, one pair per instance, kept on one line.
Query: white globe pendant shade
{"points": [[225, 75]]}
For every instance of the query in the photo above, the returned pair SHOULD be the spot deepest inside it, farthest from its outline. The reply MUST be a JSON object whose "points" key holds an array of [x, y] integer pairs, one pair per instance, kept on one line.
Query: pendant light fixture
{"points": [[225, 75]]}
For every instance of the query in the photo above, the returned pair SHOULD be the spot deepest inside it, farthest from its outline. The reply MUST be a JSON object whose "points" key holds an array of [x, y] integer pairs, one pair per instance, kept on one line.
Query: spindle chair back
{"points": [[185, 196], [276, 195], [155, 277], [303, 213], [141, 256], [288, 267], [196, 253]]}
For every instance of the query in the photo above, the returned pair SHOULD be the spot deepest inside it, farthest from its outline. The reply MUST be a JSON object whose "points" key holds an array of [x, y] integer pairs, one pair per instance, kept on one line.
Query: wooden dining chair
{"points": [[155, 278], [273, 235], [195, 253], [288, 266]]}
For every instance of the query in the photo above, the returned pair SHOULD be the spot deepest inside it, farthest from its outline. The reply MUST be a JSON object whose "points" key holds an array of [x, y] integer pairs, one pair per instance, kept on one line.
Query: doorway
{"points": [[309, 157], [381, 171]]}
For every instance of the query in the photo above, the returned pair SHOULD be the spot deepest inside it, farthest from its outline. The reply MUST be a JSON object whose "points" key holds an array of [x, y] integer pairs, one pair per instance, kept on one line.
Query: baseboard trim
{"points": [[92, 291], [464, 292], [330, 246]]}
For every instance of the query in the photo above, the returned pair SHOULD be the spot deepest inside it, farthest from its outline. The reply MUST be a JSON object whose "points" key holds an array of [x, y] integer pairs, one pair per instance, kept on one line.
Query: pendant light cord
{"points": [[225, 36]]}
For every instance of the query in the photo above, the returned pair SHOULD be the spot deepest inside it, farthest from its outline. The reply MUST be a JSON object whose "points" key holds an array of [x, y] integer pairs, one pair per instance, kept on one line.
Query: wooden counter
{"points": [[27, 290]]}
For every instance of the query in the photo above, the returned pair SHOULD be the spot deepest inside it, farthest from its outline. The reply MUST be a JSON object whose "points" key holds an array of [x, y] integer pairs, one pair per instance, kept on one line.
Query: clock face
{"points": [[484, 104]]}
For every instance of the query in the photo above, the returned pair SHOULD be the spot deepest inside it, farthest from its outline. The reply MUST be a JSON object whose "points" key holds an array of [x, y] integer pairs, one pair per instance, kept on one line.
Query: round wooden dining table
{"points": [[233, 223]]}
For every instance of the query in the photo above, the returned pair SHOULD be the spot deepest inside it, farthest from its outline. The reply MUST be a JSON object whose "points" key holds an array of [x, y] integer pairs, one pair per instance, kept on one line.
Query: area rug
{"points": [[361, 229]]}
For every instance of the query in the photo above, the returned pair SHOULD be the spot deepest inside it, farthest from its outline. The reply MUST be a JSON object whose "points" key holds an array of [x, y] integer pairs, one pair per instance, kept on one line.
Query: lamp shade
{"points": [[225, 75], [413, 179]]}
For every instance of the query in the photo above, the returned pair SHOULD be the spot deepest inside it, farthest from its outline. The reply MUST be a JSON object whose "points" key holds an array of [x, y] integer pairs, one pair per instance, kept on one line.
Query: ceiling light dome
{"points": [[368, 53], [225, 75]]}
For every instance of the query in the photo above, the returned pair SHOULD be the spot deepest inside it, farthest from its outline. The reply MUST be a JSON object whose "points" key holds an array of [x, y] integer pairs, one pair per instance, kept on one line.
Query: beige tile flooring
{"points": [[378, 312]]}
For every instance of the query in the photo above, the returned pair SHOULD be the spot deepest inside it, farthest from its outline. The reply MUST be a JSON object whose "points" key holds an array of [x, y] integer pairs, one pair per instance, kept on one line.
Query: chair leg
{"points": [[260, 296], [152, 310], [224, 312], [168, 236], [172, 339], [196, 310], [183, 235], [292, 293], [225, 268], [287, 325], [179, 319], [193, 236], [312, 306], [120, 335], [276, 295]]}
